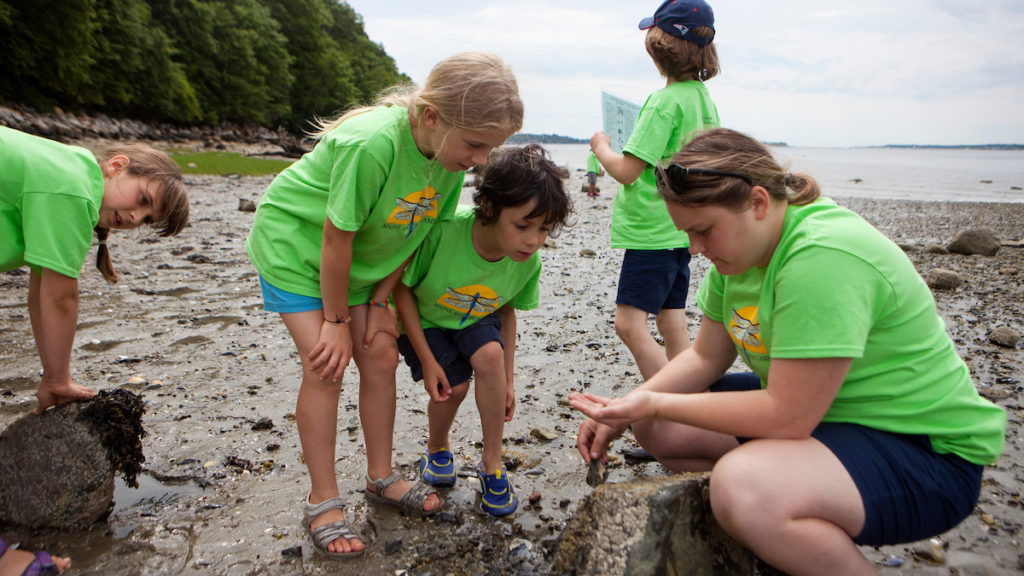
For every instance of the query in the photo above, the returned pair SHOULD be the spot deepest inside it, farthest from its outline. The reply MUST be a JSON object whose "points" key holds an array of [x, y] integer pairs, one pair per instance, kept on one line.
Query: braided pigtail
{"points": [[103, 261]]}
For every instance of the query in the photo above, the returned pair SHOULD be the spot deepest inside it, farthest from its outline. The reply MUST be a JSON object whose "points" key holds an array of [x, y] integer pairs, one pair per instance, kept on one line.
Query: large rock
{"points": [[975, 241], [57, 469], [660, 525]]}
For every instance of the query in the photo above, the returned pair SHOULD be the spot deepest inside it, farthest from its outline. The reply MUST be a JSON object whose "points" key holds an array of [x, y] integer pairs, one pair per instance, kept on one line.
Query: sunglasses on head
{"points": [[673, 175]]}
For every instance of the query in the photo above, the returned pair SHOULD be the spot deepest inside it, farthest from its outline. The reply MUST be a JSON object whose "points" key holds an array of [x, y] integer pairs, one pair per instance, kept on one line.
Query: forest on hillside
{"points": [[271, 62]]}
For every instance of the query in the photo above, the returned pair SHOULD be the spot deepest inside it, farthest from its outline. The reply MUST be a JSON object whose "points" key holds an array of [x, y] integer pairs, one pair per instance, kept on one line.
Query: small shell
{"points": [[597, 473]]}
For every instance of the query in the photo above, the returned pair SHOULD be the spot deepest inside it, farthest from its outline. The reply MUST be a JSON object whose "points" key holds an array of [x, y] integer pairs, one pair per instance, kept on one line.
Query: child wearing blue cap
{"points": [[655, 274]]}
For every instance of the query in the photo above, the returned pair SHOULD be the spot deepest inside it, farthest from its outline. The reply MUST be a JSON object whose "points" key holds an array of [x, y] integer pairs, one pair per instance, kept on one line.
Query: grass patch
{"points": [[219, 163]]}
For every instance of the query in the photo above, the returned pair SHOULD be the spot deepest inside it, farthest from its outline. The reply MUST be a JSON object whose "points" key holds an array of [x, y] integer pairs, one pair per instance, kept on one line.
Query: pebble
{"points": [[942, 279], [1004, 336], [597, 474], [543, 435]]}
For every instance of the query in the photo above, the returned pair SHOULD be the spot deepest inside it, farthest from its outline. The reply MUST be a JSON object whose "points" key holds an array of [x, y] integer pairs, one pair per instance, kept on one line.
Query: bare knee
{"points": [[459, 393], [733, 492], [489, 359], [630, 330], [652, 437], [382, 355]]}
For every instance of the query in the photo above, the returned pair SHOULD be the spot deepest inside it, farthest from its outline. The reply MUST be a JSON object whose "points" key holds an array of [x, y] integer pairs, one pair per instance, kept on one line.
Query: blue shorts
{"points": [[654, 280], [909, 491], [284, 302], [453, 348]]}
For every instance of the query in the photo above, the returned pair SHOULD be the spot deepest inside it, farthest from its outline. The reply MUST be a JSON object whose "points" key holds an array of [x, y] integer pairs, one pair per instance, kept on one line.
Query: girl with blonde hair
{"points": [[330, 239]]}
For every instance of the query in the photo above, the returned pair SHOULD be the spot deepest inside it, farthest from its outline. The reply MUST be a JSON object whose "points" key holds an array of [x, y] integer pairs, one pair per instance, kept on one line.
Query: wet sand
{"points": [[224, 471]]}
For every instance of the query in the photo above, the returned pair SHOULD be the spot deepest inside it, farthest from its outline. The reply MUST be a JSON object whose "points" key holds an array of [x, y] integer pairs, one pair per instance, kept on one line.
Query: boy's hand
{"points": [[332, 352], [600, 139], [436, 383], [380, 319], [510, 403]]}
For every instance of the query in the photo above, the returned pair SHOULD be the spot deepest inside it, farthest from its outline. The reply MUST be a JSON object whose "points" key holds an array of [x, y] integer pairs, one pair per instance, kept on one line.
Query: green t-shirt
{"points": [[455, 287], [837, 288], [593, 164], [50, 196], [640, 220], [366, 175]]}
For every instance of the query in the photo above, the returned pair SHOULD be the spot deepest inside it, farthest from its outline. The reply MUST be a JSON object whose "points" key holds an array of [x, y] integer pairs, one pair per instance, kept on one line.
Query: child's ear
{"points": [[114, 165], [431, 118]]}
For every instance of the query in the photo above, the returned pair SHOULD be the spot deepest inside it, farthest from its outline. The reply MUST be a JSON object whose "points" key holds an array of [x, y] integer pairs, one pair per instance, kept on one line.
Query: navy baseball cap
{"points": [[680, 17]]}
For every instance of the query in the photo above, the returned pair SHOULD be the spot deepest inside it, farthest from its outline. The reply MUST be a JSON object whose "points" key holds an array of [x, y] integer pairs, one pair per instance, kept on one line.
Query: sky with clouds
{"points": [[804, 72]]}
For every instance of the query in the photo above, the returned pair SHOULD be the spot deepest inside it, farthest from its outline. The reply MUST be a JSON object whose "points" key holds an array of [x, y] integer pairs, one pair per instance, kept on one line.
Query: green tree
{"points": [[46, 49], [373, 69], [323, 77], [233, 55], [133, 71]]}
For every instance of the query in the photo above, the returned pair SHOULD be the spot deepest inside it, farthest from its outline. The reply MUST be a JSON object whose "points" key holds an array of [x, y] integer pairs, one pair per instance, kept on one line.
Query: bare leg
{"points": [[489, 367], [316, 414], [377, 396], [793, 504], [631, 326], [680, 447], [441, 416], [672, 326]]}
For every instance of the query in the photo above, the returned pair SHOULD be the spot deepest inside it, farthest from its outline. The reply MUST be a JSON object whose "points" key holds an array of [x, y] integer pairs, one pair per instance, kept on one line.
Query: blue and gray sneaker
{"points": [[498, 498], [438, 468]]}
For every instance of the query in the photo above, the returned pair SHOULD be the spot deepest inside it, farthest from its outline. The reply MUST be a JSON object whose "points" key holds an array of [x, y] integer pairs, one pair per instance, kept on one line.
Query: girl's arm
{"points": [[380, 317], [53, 312], [333, 349], [798, 395], [625, 168], [693, 370], [699, 366], [434, 379], [507, 314]]}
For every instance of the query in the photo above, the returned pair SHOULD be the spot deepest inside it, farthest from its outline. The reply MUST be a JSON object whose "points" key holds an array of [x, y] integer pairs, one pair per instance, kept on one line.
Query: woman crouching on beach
{"points": [[858, 423]]}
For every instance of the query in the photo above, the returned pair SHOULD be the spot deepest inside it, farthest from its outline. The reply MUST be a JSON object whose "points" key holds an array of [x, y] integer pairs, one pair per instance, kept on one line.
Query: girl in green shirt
{"points": [[52, 199], [330, 239], [859, 423]]}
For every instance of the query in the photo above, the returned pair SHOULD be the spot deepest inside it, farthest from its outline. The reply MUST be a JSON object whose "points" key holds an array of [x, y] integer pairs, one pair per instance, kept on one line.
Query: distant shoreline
{"points": [[955, 146], [525, 137]]}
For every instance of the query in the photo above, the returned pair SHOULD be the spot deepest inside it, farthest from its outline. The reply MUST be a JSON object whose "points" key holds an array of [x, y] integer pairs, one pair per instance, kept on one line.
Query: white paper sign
{"points": [[619, 117]]}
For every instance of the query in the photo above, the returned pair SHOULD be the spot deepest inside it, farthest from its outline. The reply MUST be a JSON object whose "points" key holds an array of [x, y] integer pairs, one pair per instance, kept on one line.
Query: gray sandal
{"points": [[412, 501], [324, 535]]}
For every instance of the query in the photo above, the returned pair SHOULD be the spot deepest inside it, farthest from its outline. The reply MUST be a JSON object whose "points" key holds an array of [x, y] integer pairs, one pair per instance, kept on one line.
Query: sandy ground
{"points": [[224, 471]]}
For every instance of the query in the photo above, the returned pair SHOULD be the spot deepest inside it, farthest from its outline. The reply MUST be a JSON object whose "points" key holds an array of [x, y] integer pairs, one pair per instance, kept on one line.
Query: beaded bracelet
{"points": [[381, 304], [339, 320]]}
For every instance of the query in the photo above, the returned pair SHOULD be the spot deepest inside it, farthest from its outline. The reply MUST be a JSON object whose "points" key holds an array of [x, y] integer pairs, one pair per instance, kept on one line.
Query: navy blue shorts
{"points": [[909, 491], [453, 348], [654, 280]]}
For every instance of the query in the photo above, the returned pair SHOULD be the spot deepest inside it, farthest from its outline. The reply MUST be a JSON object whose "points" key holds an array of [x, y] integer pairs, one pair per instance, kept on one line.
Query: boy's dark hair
{"points": [[679, 59], [514, 176]]}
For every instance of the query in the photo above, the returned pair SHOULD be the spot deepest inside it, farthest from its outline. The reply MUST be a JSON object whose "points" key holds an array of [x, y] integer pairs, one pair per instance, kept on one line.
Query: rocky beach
{"points": [[223, 480]]}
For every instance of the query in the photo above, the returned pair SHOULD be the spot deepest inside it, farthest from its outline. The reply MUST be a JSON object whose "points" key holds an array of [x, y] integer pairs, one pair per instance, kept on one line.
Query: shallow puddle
{"points": [[150, 490]]}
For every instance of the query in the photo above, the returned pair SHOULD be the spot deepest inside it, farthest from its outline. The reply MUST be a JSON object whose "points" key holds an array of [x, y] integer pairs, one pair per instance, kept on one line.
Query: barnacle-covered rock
{"points": [[57, 468]]}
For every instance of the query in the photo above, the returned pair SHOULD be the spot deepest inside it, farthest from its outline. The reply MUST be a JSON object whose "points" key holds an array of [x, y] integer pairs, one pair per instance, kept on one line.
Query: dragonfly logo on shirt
{"points": [[472, 300], [413, 208], [746, 332]]}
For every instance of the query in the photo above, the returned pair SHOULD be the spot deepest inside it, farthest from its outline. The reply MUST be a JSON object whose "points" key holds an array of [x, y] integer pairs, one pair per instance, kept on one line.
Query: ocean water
{"points": [[901, 173]]}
